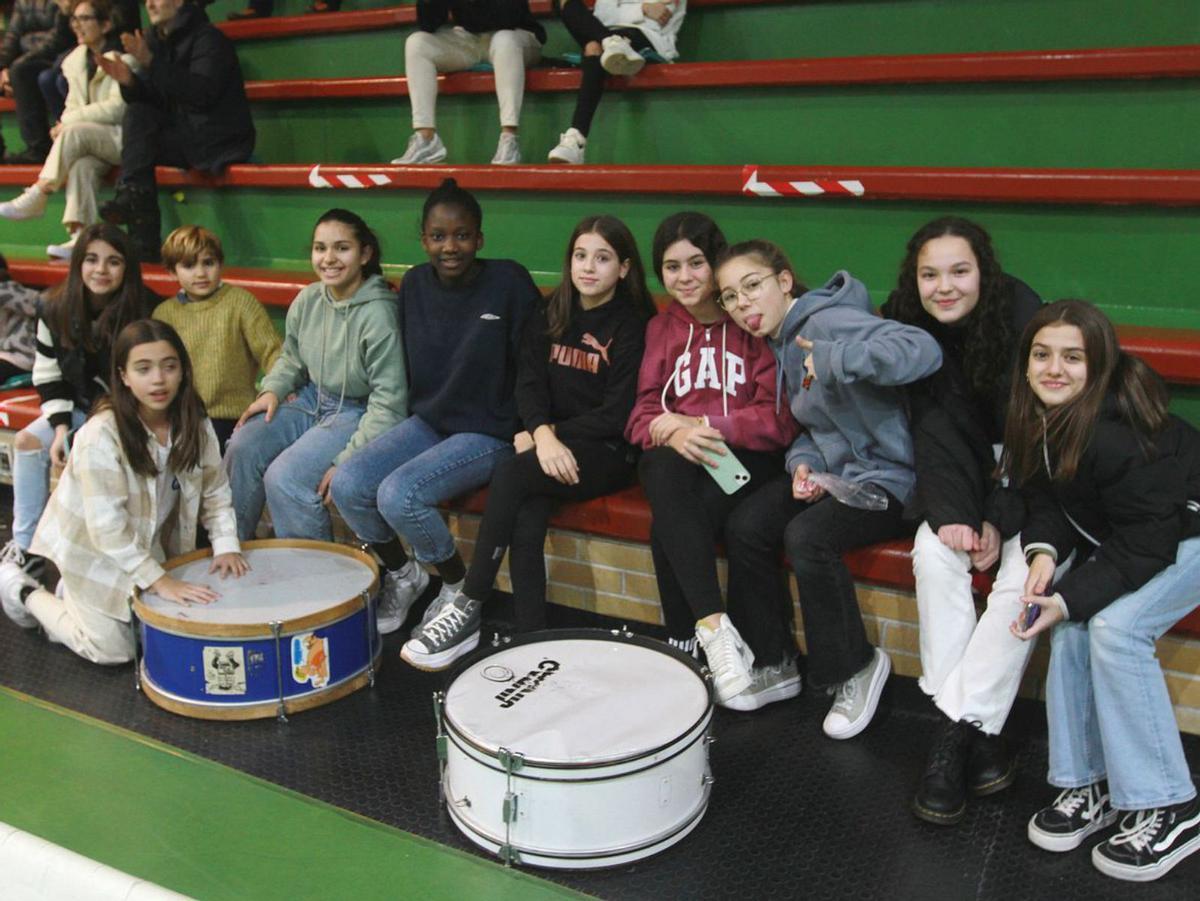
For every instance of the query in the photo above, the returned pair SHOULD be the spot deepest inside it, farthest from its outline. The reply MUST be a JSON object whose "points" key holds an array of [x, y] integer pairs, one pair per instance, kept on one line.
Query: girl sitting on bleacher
{"points": [[102, 293], [841, 366], [461, 318], [612, 38], [1107, 473], [707, 389], [576, 381], [143, 471], [338, 383], [951, 285]]}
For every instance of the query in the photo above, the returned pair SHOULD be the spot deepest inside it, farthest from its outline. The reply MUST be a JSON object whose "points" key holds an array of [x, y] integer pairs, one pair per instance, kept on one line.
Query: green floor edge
{"points": [[209, 831]]}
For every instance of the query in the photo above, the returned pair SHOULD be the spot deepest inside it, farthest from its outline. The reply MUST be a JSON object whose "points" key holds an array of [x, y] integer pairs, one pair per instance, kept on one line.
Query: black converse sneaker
{"points": [[1075, 814], [1150, 842]]}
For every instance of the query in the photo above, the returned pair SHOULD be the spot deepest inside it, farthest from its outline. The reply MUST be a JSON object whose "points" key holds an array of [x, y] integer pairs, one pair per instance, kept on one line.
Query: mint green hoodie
{"points": [[349, 349]]}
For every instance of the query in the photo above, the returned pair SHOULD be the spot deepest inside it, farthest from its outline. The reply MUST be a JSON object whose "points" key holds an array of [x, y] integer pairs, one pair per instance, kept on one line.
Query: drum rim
{"points": [[612, 635], [339, 611]]}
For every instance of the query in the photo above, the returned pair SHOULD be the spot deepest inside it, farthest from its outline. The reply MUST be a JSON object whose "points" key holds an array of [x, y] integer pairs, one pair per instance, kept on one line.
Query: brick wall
{"points": [[616, 578]]}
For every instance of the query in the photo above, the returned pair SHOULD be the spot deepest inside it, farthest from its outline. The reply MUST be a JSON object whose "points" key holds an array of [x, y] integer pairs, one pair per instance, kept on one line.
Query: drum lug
{"points": [[366, 599], [276, 630], [511, 761], [707, 779], [622, 631], [509, 855]]}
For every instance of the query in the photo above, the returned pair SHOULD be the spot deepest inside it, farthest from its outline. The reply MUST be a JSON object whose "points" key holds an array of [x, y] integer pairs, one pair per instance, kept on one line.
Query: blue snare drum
{"points": [[297, 631]]}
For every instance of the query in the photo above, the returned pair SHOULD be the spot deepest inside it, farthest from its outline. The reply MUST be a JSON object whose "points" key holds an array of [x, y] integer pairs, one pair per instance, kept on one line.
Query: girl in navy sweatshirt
{"points": [[576, 379]]}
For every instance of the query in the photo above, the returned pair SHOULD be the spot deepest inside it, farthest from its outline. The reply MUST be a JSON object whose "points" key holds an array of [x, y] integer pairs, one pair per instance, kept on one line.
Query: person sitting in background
{"points": [[18, 325], [37, 34], [227, 332], [613, 38], [503, 33], [87, 139], [187, 107], [262, 9]]}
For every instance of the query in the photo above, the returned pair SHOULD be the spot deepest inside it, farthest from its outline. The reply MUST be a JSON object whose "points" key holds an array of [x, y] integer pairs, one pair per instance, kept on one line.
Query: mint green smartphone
{"points": [[729, 472]]}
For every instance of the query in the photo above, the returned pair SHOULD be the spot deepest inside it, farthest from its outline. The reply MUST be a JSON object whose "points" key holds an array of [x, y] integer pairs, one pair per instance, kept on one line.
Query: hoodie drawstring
{"points": [[662, 398], [679, 360]]}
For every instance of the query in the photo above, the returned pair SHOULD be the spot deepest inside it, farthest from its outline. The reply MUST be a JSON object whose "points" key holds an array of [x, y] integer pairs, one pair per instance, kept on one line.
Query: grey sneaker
{"points": [[12, 580], [399, 591], [572, 148], [444, 596], [422, 151], [508, 150], [729, 658], [768, 684], [448, 636], [857, 698], [618, 56]]}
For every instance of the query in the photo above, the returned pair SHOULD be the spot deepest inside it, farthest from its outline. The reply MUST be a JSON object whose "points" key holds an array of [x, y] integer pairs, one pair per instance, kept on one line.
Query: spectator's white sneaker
{"points": [[64, 250], [397, 594], [422, 151], [508, 150], [618, 56], [729, 658], [29, 204], [571, 148], [12, 580], [857, 698]]}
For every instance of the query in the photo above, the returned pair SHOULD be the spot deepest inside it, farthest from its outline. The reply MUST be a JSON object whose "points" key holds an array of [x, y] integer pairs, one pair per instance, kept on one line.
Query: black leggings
{"points": [[585, 28], [521, 499], [690, 514]]}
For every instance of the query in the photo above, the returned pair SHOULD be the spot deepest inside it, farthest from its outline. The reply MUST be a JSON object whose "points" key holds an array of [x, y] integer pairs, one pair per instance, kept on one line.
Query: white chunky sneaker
{"points": [[857, 698], [29, 204], [571, 148], [399, 591], [508, 150], [768, 684], [12, 580], [64, 250], [729, 658], [618, 57], [422, 151], [448, 636]]}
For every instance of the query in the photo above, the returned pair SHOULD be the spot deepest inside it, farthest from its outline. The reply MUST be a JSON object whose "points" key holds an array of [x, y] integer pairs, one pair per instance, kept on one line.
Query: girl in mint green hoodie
{"points": [[339, 382]]}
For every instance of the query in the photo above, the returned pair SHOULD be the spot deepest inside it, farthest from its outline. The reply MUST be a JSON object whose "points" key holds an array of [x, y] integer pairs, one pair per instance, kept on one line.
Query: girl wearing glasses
{"points": [[706, 390], [951, 285], [840, 366], [87, 139]]}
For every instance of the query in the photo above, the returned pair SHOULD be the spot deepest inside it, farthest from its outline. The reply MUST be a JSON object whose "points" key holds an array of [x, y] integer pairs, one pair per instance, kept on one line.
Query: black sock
{"points": [[392, 554], [452, 570]]}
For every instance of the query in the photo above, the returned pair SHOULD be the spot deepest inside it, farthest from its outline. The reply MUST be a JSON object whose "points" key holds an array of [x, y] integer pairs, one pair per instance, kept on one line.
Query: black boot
{"points": [[128, 203], [941, 797], [990, 766]]}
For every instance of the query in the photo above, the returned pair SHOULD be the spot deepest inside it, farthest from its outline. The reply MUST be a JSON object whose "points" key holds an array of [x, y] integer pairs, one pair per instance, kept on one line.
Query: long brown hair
{"points": [[1062, 433], [186, 413], [632, 287]]}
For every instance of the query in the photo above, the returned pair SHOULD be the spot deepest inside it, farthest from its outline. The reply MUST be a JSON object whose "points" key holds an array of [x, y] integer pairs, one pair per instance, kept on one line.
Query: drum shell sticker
{"points": [[224, 670], [310, 659]]}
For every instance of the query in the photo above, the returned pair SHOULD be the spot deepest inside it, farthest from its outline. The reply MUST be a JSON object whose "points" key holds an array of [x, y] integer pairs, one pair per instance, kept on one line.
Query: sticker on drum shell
{"points": [[224, 671], [310, 659]]}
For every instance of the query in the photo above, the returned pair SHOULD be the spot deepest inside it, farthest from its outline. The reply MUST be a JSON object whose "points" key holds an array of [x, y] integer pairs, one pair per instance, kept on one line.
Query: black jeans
{"points": [[815, 536], [521, 499], [151, 139], [690, 513], [31, 105], [584, 27]]}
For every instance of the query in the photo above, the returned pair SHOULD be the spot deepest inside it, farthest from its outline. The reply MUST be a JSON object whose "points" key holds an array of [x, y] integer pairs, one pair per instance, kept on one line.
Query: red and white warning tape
{"points": [[375, 179], [809, 188]]}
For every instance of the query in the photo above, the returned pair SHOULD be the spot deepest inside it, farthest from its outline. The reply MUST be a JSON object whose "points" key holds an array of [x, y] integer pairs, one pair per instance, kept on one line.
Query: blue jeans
{"points": [[31, 479], [394, 484], [1106, 700], [281, 463]]}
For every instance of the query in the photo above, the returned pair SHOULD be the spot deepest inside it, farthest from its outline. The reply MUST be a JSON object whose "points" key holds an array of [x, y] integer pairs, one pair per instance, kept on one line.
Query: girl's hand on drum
{"points": [[555, 458], [695, 443], [663, 426], [522, 441], [226, 565], [323, 487], [802, 488], [266, 402], [182, 592]]}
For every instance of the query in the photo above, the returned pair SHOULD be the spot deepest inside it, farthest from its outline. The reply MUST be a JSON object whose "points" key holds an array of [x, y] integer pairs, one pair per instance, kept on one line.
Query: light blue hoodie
{"points": [[853, 415]]}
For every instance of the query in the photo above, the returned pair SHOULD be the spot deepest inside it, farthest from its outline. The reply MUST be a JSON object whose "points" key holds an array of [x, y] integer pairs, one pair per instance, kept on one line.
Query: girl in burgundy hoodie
{"points": [[706, 389]]}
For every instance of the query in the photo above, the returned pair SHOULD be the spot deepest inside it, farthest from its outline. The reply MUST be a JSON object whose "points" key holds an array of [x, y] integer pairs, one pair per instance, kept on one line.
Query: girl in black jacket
{"points": [[1110, 475], [951, 285]]}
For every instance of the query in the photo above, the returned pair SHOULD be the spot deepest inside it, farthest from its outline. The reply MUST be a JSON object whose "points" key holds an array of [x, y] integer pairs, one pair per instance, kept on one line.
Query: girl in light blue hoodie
{"points": [[841, 367]]}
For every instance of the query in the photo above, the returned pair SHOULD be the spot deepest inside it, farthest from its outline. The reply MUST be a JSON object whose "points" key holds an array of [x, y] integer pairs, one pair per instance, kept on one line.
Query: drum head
{"points": [[576, 701]]}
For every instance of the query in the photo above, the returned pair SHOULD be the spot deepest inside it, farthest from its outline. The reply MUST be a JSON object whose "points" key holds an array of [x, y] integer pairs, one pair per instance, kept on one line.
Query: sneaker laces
{"points": [[845, 695], [1142, 831], [719, 651], [12, 553], [1069, 800], [448, 621]]}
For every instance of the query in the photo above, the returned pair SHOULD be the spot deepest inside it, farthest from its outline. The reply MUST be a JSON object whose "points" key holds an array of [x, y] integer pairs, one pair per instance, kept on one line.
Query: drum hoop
{"points": [[263, 630], [610, 635]]}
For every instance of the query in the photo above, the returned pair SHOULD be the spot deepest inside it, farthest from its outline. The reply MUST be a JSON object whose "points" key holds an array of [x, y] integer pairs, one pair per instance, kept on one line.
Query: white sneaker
{"points": [[508, 150], [422, 151], [729, 659], [399, 591], [444, 596], [12, 580], [768, 684], [448, 636], [857, 699], [570, 149], [62, 251], [29, 204], [618, 56]]}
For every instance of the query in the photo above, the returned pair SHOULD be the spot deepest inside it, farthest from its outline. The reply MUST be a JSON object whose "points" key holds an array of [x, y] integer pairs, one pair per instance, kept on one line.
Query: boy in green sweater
{"points": [[227, 332]]}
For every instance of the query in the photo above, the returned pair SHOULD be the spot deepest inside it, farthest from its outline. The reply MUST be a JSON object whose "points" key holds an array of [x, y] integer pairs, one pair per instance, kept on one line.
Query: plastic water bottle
{"points": [[852, 494]]}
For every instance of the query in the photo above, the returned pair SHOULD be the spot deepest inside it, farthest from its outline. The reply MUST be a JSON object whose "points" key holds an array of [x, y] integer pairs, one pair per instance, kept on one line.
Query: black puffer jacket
{"points": [[479, 16]]}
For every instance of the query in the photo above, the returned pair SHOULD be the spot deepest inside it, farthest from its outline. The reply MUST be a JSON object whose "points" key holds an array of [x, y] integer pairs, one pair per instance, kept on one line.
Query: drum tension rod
{"points": [[511, 761], [366, 599], [439, 698], [276, 628]]}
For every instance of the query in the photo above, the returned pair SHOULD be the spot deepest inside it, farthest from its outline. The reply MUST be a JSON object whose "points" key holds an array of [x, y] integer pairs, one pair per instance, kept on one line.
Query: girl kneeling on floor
{"points": [[144, 470], [576, 382], [1107, 473], [706, 390], [842, 366]]}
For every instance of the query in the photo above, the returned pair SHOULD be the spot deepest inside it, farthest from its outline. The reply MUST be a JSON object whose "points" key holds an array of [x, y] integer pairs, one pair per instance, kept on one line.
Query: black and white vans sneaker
{"points": [[1150, 842], [1075, 814]]}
